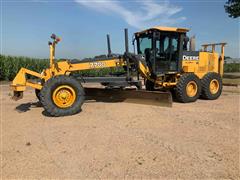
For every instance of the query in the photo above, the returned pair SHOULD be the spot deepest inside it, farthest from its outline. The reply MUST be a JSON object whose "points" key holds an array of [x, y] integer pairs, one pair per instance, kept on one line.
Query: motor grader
{"points": [[162, 58]]}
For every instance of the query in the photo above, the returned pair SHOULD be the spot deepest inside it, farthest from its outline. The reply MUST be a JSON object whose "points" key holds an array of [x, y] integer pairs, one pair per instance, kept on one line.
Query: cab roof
{"points": [[163, 28]]}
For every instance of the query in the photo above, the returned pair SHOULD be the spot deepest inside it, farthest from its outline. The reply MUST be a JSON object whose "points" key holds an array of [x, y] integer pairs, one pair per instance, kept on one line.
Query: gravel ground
{"points": [[118, 140]]}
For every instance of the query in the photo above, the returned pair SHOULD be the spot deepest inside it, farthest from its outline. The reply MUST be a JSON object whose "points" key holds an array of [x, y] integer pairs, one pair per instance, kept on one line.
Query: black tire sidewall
{"points": [[51, 85], [180, 90], [206, 93]]}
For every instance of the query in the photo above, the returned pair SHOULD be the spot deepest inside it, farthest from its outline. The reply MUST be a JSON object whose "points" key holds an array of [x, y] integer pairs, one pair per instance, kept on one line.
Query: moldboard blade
{"points": [[156, 98]]}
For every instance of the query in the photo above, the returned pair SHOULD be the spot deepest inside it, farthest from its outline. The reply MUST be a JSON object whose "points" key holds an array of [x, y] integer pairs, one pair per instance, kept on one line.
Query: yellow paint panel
{"points": [[34, 85], [189, 66], [208, 62], [162, 28], [17, 88], [96, 64]]}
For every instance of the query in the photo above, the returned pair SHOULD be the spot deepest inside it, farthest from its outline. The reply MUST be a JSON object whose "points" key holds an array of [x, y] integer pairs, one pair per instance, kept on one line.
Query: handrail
{"points": [[221, 59], [205, 46]]}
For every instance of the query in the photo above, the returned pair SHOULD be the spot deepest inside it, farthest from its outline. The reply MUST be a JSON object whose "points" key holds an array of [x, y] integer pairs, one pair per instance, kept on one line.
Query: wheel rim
{"points": [[214, 86], [64, 96], [191, 88]]}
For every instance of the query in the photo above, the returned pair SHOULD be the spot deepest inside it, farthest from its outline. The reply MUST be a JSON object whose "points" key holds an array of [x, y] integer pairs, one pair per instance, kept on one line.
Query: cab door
{"points": [[167, 46]]}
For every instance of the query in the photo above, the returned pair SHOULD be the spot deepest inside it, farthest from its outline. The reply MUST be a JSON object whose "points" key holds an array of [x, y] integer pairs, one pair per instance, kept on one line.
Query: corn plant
{"points": [[10, 65]]}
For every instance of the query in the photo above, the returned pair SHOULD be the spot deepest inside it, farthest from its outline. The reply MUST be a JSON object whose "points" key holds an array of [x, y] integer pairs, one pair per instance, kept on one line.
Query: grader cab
{"points": [[189, 73], [162, 60]]}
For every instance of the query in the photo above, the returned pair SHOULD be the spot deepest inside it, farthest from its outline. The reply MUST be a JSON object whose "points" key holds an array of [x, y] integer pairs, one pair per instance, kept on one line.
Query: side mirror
{"points": [[133, 40], [133, 43]]}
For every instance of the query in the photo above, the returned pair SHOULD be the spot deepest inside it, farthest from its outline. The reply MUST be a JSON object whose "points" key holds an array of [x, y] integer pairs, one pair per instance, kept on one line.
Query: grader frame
{"points": [[198, 74]]}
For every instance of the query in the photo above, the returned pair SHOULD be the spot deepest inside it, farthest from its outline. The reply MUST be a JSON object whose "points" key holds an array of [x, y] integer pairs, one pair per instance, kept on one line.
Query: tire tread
{"points": [[206, 94], [47, 102], [180, 89]]}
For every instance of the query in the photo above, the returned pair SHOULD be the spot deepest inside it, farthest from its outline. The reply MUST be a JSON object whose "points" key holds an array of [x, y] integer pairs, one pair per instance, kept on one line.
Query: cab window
{"points": [[144, 43]]}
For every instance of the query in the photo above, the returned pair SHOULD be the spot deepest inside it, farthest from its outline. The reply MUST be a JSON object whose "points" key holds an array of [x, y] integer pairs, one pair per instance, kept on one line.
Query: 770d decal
{"points": [[97, 64]]}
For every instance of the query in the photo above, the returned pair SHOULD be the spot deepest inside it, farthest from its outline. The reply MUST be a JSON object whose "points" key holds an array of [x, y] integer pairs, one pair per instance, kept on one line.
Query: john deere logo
{"points": [[190, 58]]}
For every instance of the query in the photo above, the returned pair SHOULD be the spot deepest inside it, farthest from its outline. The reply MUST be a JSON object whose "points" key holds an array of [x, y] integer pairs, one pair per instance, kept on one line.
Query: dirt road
{"points": [[120, 140]]}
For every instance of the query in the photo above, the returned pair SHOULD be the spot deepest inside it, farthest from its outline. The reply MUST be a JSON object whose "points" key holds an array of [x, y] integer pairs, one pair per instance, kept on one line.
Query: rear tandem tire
{"points": [[62, 96], [211, 86], [188, 88]]}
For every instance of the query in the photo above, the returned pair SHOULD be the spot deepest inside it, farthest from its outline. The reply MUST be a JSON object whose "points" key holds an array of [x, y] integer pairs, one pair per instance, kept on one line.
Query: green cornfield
{"points": [[234, 67], [10, 65]]}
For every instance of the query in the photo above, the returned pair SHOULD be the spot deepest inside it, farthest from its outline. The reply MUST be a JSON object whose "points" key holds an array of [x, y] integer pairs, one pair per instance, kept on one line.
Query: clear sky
{"points": [[83, 25]]}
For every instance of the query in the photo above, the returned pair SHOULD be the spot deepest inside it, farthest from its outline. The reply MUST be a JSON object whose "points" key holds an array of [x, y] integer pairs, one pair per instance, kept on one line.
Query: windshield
{"points": [[144, 43]]}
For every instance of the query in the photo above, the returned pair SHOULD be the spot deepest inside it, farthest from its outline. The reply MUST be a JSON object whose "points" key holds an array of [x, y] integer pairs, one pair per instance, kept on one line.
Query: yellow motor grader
{"points": [[162, 58]]}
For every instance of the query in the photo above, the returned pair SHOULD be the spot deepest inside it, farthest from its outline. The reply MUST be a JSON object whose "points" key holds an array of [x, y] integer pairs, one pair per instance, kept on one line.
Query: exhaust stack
{"points": [[192, 44], [126, 52], [109, 45], [126, 40]]}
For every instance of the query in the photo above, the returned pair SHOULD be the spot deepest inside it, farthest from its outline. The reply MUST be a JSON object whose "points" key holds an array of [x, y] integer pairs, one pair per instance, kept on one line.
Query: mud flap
{"points": [[155, 98]]}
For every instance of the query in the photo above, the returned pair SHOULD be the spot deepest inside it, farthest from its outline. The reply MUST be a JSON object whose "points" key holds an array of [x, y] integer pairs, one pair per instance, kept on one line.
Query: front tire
{"points": [[62, 96], [211, 86], [188, 88]]}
